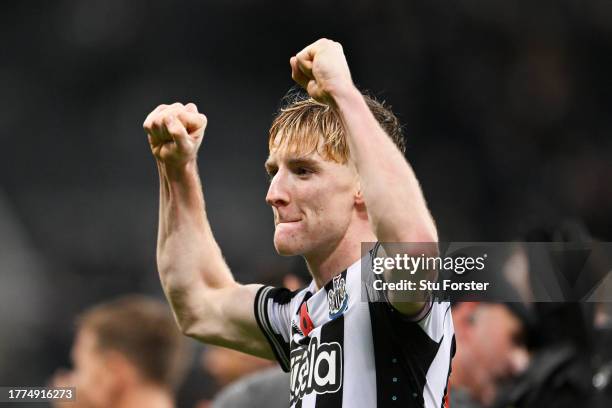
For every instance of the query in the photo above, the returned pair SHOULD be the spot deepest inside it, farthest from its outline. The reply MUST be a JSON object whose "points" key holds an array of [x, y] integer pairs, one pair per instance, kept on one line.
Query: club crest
{"points": [[337, 297]]}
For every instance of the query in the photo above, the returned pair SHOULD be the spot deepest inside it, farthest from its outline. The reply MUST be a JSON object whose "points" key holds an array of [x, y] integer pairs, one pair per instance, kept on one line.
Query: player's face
{"points": [[91, 374], [496, 346], [312, 199]]}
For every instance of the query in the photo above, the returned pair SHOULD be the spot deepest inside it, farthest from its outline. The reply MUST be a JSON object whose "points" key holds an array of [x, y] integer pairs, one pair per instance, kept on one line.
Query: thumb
{"points": [[192, 121], [177, 132]]}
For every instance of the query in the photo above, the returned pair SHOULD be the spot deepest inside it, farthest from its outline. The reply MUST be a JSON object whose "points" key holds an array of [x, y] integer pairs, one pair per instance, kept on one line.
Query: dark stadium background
{"points": [[507, 109]]}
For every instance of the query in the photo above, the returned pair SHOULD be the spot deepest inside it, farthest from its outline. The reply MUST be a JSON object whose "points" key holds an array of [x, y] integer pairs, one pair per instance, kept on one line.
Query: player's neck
{"points": [[146, 396], [324, 266]]}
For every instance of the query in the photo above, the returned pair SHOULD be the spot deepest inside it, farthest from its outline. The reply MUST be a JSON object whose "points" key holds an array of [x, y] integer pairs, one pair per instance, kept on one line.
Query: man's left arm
{"points": [[396, 207]]}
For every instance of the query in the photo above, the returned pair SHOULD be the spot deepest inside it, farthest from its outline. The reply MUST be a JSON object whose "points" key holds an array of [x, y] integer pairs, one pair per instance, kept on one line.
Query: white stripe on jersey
{"points": [[358, 348], [437, 375]]}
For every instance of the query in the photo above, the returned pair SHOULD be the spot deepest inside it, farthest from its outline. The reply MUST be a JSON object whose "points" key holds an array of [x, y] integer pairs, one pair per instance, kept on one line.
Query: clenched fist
{"points": [[322, 70], [175, 133]]}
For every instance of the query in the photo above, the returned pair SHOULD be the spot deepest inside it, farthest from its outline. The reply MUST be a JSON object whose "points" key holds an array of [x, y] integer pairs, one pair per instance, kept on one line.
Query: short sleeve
{"points": [[438, 321], [423, 316], [273, 315]]}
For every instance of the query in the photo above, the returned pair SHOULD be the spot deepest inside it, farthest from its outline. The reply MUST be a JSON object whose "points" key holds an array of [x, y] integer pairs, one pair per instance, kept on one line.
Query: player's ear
{"points": [[359, 198], [358, 192], [360, 205]]}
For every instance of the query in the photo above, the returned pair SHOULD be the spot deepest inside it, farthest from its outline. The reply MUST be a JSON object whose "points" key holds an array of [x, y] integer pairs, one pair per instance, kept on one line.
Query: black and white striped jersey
{"points": [[345, 352]]}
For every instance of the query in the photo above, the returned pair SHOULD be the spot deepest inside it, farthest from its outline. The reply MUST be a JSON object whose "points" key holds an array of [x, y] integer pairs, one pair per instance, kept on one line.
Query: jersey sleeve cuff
{"points": [[279, 347]]}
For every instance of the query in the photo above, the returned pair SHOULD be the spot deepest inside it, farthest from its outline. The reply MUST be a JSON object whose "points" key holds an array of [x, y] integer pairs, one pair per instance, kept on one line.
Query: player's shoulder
{"points": [[283, 296], [437, 308]]}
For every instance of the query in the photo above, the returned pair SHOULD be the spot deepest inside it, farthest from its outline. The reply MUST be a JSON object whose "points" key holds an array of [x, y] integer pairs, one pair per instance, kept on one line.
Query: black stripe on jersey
{"points": [[450, 368], [333, 331], [279, 347], [403, 353]]}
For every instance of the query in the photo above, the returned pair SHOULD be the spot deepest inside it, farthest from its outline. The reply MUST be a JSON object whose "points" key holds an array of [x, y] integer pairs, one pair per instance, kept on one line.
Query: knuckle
{"points": [[157, 122], [166, 119], [187, 117], [154, 125]]}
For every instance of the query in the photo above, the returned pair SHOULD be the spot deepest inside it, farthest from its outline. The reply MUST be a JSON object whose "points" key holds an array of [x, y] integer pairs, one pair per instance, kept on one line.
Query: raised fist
{"points": [[175, 133], [322, 70]]}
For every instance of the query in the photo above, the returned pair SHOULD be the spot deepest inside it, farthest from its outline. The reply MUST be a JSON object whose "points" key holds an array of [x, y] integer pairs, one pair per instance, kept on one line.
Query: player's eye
{"points": [[271, 173], [302, 171]]}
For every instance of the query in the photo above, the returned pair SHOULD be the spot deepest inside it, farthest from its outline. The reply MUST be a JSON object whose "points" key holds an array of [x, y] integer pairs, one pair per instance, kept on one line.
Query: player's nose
{"points": [[278, 194], [518, 360]]}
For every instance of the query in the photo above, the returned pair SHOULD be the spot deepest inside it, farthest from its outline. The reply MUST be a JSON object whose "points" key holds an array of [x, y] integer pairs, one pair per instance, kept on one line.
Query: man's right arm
{"points": [[207, 302]]}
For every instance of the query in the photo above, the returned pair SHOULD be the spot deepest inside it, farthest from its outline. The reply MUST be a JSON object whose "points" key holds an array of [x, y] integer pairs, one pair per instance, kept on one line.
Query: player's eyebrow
{"points": [[303, 162], [297, 162]]}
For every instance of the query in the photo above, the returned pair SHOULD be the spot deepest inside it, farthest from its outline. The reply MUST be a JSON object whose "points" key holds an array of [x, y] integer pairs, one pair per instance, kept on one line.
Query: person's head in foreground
{"points": [[127, 353], [491, 349], [315, 191]]}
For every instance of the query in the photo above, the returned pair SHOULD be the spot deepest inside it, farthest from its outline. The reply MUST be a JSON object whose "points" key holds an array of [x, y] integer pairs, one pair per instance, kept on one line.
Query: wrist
{"points": [[178, 171], [345, 93]]}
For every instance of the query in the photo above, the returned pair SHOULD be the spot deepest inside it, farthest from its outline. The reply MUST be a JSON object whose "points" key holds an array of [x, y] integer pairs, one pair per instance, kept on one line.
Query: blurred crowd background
{"points": [[506, 105]]}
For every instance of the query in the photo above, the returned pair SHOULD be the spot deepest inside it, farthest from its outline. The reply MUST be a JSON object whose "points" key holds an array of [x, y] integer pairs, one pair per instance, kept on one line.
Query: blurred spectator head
{"points": [[490, 348], [126, 347]]}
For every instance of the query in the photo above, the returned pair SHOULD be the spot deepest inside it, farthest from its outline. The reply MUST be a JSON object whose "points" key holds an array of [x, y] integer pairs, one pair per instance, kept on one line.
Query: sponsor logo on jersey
{"points": [[337, 297], [315, 367]]}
